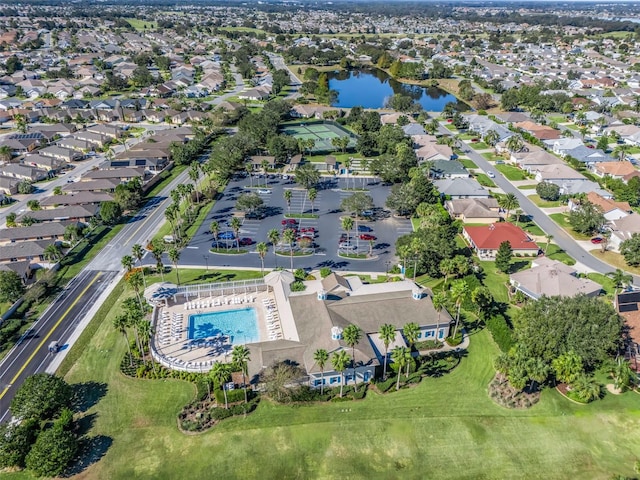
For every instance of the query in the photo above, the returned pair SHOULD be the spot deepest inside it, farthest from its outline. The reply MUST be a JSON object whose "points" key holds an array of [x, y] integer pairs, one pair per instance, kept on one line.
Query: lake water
{"points": [[372, 89]]}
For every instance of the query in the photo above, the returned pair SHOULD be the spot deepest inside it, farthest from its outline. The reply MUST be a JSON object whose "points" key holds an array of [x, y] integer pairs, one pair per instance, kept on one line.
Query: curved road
{"points": [[560, 236]]}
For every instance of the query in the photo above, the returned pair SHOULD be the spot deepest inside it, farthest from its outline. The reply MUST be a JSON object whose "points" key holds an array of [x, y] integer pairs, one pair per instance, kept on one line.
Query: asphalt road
{"points": [[31, 355], [560, 236], [328, 226]]}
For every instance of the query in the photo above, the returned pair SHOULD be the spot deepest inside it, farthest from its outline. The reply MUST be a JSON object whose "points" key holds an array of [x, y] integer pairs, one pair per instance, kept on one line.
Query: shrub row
{"points": [[501, 332]]}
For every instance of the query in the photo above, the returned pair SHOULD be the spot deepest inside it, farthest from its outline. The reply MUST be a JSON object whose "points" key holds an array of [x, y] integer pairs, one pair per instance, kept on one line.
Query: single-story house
{"points": [[80, 198], [611, 209], [628, 305], [617, 170], [32, 251], [76, 213], [121, 174], [486, 239], [552, 278], [53, 231], [623, 229], [474, 210], [448, 169], [50, 164], [99, 185], [23, 172], [455, 188]]}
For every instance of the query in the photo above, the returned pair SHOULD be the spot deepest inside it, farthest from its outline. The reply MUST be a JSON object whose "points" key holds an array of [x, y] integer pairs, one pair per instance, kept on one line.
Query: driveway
{"points": [[327, 225]]}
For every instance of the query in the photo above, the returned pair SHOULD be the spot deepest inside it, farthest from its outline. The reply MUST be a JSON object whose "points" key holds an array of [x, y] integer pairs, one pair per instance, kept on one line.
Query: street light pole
{"points": [[206, 259]]}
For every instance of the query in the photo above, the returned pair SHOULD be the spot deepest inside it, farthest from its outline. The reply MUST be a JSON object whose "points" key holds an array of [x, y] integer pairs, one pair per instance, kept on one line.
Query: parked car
{"points": [[226, 235], [367, 236], [597, 240], [304, 238], [367, 213], [289, 221], [490, 174], [308, 230], [347, 246], [364, 228], [255, 215], [499, 162], [245, 241], [343, 237], [264, 190]]}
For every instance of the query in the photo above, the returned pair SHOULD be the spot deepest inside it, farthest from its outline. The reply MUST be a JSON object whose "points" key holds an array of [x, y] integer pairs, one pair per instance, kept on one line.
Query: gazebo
{"points": [[159, 292]]}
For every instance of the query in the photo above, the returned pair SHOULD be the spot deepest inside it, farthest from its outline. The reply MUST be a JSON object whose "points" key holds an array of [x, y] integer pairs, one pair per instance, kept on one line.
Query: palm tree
{"points": [[312, 194], [174, 257], [621, 151], [235, 225], [347, 225], [240, 355], [508, 202], [194, 175], [215, 229], [5, 153], [287, 196], [340, 360], [274, 237], [127, 262], [289, 237], [439, 301], [549, 238], [459, 291], [134, 280], [447, 267], [120, 323], [401, 356], [352, 334], [262, 250], [137, 252], [321, 356], [515, 143], [146, 331], [491, 137], [221, 372], [538, 371], [620, 279], [157, 249], [52, 253], [387, 334]]}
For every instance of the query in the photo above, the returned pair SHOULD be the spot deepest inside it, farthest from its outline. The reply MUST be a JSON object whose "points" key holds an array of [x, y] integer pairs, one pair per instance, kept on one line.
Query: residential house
{"points": [[53, 231], [8, 185], [61, 153], [23, 172], [611, 209], [556, 173], [122, 175], [101, 185], [628, 305], [21, 268], [80, 198], [474, 210], [456, 188], [486, 239], [541, 132], [259, 162], [76, 213], [622, 229], [617, 170], [31, 252], [552, 278], [447, 169], [433, 152], [50, 164]]}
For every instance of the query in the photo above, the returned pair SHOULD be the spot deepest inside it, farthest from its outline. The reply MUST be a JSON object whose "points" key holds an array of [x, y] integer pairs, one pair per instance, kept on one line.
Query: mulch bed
{"points": [[501, 392]]}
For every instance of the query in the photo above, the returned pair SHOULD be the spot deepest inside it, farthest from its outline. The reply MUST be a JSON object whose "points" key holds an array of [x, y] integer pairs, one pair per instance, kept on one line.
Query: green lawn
{"points": [[492, 157], [562, 219], [544, 203], [557, 118], [512, 173], [556, 253], [478, 145], [415, 433], [527, 187], [466, 163], [607, 284], [485, 181], [141, 25]]}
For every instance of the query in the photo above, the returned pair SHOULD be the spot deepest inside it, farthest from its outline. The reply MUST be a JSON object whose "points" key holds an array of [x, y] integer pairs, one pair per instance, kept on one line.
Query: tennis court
{"points": [[321, 133]]}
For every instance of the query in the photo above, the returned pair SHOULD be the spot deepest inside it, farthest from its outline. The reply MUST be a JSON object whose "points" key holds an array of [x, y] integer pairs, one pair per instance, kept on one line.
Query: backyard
{"points": [[440, 423]]}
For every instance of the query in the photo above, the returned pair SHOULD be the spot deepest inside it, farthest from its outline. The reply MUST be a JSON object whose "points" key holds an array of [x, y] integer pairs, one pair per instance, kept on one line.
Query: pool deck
{"points": [[172, 329]]}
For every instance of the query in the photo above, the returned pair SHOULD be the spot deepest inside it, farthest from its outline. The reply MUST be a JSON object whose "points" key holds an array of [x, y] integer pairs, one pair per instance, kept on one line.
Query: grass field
{"points": [[614, 259], [141, 25], [320, 133], [466, 163], [485, 181], [443, 428], [554, 252], [527, 187], [562, 219], [535, 198], [512, 173]]}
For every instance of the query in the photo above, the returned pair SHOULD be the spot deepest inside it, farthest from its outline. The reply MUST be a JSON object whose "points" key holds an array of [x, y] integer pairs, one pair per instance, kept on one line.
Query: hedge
{"points": [[501, 332]]}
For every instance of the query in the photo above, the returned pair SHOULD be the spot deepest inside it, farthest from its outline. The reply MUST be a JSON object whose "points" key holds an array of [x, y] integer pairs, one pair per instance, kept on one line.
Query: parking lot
{"points": [[327, 226]]}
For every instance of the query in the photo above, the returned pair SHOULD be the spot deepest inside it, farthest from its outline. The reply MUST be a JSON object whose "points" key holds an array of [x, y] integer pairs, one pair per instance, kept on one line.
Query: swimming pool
{"points": [[240, 325]]}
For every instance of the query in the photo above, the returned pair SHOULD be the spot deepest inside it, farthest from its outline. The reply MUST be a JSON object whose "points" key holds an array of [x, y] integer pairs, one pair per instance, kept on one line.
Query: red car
{"points": [[308, 230], [596, 240], [367, 236], [246, 241], [289, 221]]}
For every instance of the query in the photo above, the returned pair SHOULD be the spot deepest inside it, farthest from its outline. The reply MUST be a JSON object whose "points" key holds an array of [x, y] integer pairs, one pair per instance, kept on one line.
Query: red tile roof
{"points": [[489, 237]]}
